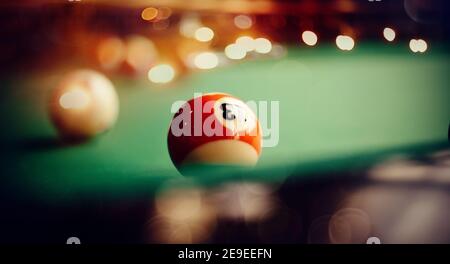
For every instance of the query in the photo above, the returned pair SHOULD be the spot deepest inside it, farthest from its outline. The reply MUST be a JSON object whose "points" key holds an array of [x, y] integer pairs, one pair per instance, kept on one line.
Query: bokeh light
{"points": [[149, 13], [422, 45], [235, 52], [309, 38], [204, 34], [179, 204], [243, 21], [189, 24], [349, 226], [418, 45], [345, 43], [278, 51], [111, 53], [141, 53], [262, 45], [245, 201], [389, 34], [246, 42], [206, 60], [164, 13], [182, 215], [413, 46], [162, 73]]}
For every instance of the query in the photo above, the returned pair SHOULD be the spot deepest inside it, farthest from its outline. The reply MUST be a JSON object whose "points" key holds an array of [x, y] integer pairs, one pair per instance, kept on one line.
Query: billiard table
{"points": [[341, 115]]}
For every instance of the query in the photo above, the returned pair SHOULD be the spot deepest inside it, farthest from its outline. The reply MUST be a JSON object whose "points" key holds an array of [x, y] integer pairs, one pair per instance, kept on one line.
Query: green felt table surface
{"points": [[336, 109]]}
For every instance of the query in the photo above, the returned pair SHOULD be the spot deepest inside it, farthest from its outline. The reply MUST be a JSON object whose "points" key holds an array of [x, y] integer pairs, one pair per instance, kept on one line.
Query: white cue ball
{"points": [[83, 104]]}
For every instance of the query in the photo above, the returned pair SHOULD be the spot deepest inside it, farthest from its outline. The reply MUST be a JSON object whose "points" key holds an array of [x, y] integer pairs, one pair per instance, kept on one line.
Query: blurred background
{"points": [[112, 35]]}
